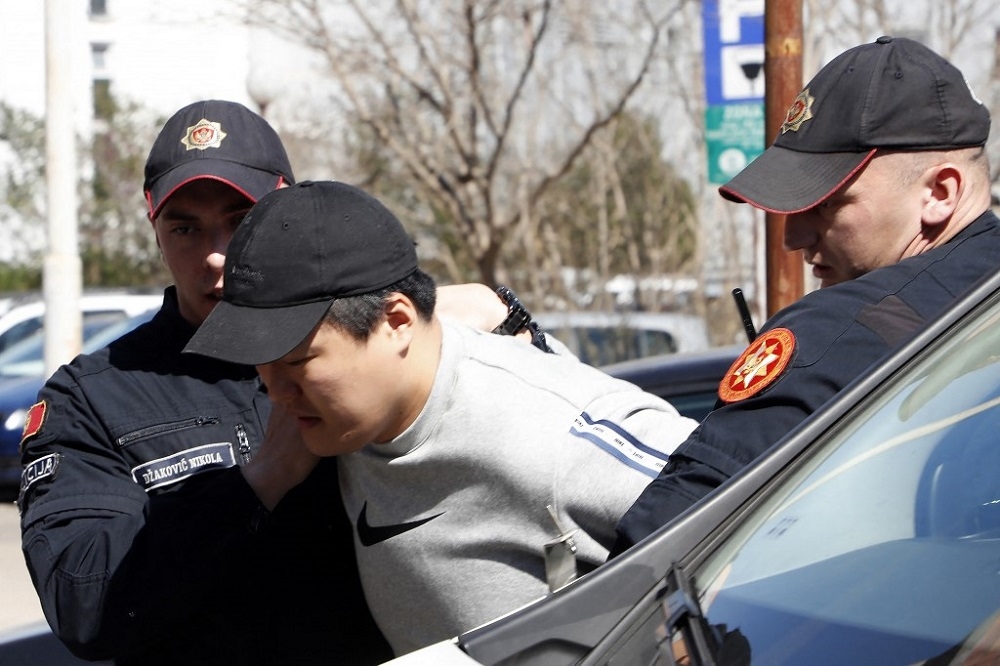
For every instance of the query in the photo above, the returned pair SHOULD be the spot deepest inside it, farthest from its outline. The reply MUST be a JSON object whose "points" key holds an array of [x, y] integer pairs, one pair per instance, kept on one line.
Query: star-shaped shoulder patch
{"points": [[757, 367]]}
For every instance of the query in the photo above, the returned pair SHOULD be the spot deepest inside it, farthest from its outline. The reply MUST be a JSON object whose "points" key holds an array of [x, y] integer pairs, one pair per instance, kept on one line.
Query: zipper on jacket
{"points": [[243, 442], [163, 428]]}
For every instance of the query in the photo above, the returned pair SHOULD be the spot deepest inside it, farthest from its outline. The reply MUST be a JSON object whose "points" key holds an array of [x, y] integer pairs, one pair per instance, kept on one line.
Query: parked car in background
{"points": [[7, 301], [25, 315], [602, 338], [26, 357], [22, 376], [870, 534]]}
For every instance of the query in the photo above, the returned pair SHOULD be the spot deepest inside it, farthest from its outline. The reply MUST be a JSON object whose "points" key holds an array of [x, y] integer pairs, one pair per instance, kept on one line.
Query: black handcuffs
{"points": [[518, 319]]}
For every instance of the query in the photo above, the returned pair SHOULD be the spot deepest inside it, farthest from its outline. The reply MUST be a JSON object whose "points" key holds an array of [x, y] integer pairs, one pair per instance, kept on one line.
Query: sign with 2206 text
{"points": [[734, 85]]}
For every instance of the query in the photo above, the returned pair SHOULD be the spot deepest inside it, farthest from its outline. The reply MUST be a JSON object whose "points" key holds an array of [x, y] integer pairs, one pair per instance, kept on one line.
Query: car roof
{"points": [[27, 314], [133, 302]]}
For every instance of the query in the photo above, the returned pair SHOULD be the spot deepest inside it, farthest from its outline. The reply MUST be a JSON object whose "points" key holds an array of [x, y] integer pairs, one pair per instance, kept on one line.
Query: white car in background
{"points": [[602, 338], [26, 315], [22, 374]]}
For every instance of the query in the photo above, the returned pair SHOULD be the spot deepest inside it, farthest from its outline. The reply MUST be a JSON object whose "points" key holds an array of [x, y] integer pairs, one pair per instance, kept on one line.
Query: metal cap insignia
{"points": [[799, 112], [205, 134]]}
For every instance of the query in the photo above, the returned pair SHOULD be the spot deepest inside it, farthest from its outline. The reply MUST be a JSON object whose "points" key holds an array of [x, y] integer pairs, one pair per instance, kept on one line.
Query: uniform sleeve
{"points": [[112, 564], [830, 351]]}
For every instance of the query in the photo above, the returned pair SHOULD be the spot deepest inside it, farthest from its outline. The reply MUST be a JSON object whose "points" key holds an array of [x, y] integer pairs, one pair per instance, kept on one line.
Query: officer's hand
{"points": [[282, 462], [474, 305]]}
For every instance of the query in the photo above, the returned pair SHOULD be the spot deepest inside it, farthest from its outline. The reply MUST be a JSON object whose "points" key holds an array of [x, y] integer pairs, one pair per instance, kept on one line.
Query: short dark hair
{"points": [[358, 315]]}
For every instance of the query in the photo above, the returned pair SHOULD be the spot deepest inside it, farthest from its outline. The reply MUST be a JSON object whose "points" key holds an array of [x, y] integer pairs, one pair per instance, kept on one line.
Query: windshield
{"points": [[884, 547]]}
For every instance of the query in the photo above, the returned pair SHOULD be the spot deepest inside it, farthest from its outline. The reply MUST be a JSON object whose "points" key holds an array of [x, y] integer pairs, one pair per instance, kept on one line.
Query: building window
{"points": [[99, 56], [98, 7], [103, 103]]}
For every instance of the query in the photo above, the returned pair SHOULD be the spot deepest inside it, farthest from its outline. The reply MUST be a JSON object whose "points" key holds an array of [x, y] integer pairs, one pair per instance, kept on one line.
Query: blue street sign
{"points": [[734, 50], [734, 85]]}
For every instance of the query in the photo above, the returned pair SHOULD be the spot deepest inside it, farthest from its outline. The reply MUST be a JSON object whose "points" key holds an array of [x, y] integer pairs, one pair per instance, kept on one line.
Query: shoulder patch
{"points": [[757, 367], [34, 420], [44, 467]]}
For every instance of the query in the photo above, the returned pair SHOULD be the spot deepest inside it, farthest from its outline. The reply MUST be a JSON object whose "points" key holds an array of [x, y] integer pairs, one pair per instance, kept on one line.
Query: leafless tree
{"points": [[484, 105], [957, 29], [963, 31]]}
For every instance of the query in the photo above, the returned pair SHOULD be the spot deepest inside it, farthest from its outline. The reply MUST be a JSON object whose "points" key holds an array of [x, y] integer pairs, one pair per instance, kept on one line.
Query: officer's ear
{"points": [[942, 186]]}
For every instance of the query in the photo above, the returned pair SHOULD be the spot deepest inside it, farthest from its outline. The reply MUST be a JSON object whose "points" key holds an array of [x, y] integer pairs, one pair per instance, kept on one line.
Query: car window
{"points": [[24, 315], [601, 338], [108, 334], [603, 345], [694, 405], [884, 545], [19, 332], [26, 357]]}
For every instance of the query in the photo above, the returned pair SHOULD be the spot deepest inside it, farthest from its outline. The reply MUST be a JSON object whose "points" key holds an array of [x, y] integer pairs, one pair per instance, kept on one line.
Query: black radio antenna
{"points": [[741, 305]]}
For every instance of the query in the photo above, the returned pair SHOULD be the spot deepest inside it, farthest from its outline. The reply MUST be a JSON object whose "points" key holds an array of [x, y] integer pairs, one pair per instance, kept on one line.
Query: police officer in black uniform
{"points": [[157, 526], [881, 170]]}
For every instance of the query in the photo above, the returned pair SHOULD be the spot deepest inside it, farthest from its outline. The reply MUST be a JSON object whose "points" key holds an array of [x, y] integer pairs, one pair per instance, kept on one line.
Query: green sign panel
{"points": [[734, 134]]}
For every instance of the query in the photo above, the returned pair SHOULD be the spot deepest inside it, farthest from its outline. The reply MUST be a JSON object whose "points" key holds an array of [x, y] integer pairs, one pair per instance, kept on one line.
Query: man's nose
{"points": [[217, 251], [799, 232]]}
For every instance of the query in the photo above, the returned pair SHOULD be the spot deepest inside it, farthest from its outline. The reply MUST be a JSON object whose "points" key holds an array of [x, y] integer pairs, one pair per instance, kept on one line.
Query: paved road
{"points": [[20, 604]]}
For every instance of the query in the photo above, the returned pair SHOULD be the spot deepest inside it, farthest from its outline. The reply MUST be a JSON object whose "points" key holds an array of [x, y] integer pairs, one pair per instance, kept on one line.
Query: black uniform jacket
{"points": [[828, 338], [144, 541]]}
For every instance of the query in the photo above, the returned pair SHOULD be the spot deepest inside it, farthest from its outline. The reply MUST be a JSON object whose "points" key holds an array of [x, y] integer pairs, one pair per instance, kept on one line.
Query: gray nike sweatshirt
{"points": [[450, 517]]}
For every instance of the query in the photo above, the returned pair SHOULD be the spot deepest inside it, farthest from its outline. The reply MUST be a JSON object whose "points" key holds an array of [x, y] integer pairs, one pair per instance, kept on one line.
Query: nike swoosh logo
{"points": [[370, 535]]}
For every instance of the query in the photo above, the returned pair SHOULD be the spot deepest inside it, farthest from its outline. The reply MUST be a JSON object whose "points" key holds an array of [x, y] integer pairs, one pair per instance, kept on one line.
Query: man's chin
{"points": [[326, 447], [318, 447], [826, 276]]}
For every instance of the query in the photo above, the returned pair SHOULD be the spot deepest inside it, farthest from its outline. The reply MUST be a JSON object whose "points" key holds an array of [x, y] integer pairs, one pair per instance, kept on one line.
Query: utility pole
{"points": [[783, 81], [61, 277]]}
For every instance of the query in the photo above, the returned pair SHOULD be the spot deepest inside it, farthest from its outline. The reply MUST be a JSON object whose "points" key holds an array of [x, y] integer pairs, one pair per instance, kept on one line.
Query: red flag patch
{"points": [[34, 420], [758, 366]]}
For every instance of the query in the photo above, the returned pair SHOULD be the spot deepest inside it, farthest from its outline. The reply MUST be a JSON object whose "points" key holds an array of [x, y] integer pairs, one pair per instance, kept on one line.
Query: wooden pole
{"points": [[783, 81]]}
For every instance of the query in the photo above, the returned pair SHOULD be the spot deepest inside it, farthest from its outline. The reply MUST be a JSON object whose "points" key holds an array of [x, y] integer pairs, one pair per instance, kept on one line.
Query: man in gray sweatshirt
{"points": [[475, 468]]}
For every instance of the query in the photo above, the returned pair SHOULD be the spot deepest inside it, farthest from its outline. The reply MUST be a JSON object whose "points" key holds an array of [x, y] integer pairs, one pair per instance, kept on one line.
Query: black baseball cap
{"points": [[215, 139], [299, 249], [893, 94]]}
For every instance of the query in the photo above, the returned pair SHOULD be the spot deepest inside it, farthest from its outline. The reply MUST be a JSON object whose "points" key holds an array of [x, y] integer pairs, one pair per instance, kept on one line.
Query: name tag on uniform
{"points": [[183, 465]]}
